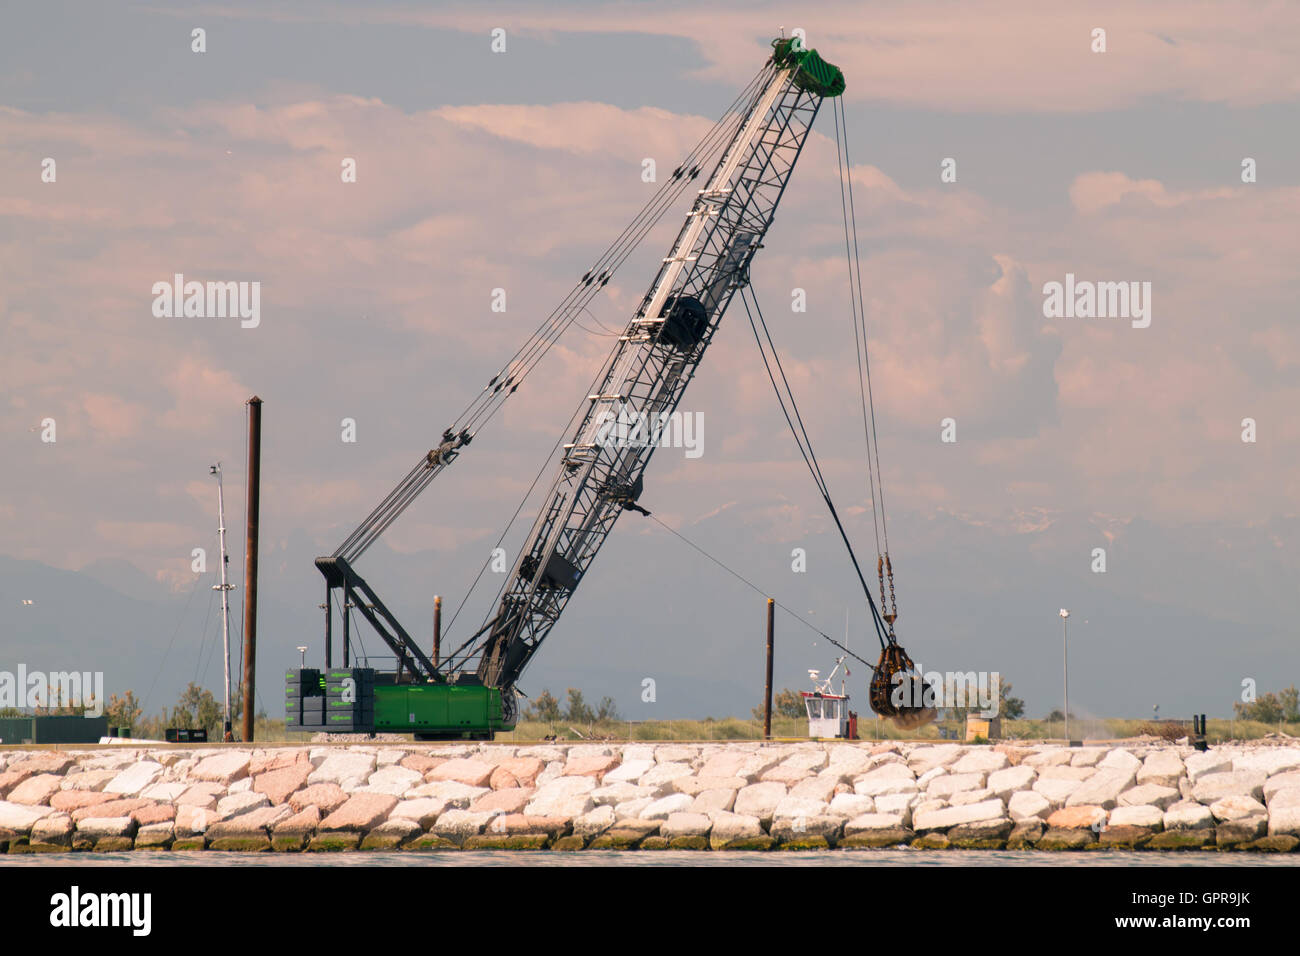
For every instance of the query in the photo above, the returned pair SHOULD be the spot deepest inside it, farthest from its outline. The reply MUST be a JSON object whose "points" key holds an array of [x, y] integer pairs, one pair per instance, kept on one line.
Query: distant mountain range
{"points": [[971, 597]]}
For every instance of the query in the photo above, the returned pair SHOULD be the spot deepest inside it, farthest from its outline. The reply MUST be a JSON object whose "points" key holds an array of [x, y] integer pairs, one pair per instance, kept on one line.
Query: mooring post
{"points": [[437, 627], [250, 560], [767, 686]]}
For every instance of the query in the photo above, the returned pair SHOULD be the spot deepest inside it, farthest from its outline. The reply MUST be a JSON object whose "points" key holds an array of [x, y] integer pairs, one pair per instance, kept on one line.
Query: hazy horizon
{"points": [[1167, 161]]}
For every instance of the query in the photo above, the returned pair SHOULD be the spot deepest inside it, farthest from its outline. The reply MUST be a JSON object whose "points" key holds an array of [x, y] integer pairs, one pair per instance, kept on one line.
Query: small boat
{"points": [[828, 712]]}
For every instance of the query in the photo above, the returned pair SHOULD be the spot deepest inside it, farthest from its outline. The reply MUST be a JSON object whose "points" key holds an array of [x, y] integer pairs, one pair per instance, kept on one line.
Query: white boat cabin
{"points": [[828, 714]]}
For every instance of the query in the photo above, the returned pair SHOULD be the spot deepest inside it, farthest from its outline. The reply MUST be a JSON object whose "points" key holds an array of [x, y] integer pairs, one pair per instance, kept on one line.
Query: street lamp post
{"points": [[1065, 656]]}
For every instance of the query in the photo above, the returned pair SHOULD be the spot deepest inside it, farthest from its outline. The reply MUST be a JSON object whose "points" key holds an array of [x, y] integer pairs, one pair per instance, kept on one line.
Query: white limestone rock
{"points": [[928, 757], [724, 763], [583, 751], [134, 778], [965, 797], [792, 808], [1215, 786], [1151, 817], [926, 820], [239, 803], [98, 827], [981, 761], [868, 822], [820, 788], [1284, 821], [1149, 794], [224, 767], [1188, 815], [945, 786], [455, 795], [348, 769], [392, 780], [759, 763], [1281, 781], [631, 809], [1103, 788], [1162, 768], [629, 771], [897, 803], [1087, 756], [1200, 764], [759, 800], [423, 810], [91, 780], [456, 825], [1003, 783], [1119, 759], [886, 779], [933, 773], [664, 807], [686, 824], [551, 772], [612, 794], [630, 752], [1290, 797], [662, 775], [1056, 790], [852, 805], [807, 760], [1066, 772], [19, 817], [550, 754], [1271, 761], [594, 822], [1236, 808], [165, 792], [1029, 805], [708, 801], [728, 827], [848, 761], [564, 797], [1051, 757]]}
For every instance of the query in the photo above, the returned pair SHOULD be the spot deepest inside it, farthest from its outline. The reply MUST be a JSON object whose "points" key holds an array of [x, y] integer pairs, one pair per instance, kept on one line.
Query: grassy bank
{"points": [[733, 728]]}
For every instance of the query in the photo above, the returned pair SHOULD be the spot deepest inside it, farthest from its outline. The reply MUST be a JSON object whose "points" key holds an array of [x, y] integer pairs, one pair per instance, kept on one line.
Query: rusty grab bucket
{"points": [[898, 691]]}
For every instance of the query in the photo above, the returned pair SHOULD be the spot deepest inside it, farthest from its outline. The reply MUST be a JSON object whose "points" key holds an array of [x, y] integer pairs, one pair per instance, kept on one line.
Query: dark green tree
{"points": [[1011, 708], [1271, 708], [123, 711], [544, 708], [578, 712], [785, 703]]}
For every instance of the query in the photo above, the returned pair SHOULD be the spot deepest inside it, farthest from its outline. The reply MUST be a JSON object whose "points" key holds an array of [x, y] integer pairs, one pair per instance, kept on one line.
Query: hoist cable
{"points": [[617, 253], [871, 404], [537, 347], [857, 345], [805, 445], [754, 587], [494, 395]]}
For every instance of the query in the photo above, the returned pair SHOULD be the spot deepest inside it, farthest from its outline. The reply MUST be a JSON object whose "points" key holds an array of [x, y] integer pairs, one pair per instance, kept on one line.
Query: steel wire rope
{"points": [[805, 446], [493, 396]]}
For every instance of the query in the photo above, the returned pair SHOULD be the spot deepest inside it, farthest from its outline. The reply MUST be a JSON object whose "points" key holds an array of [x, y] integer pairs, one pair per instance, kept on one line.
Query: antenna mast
{"points": [[225, 590]]}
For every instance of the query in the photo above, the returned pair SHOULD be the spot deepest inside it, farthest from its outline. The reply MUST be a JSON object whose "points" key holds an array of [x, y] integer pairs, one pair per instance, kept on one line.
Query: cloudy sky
{"points": [[479, 170]]}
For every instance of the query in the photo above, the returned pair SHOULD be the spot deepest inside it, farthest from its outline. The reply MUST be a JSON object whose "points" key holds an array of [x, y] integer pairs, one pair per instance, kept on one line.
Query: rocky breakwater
{"points": [[733, 796]]}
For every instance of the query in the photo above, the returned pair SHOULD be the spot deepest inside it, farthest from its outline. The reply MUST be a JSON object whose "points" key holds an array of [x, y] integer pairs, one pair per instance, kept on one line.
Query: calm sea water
{"points": [[888, 858]]}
